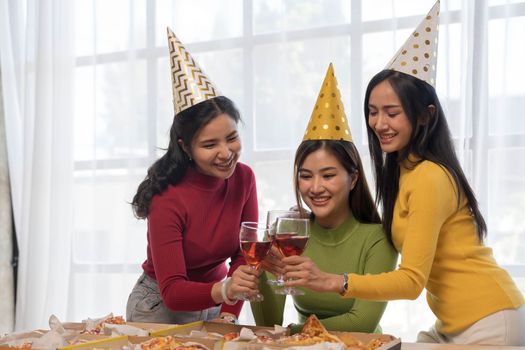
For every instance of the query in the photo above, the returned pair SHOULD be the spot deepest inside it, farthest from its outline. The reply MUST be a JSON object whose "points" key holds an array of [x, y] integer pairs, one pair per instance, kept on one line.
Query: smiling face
{"points": [[387, 118], [216, 148], [324, 185]]}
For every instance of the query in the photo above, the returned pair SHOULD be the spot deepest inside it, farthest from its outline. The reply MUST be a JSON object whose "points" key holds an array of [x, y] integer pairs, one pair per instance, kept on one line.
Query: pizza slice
{"points": [[314, 328], [98, 328], [316, 331], [159, 343], [170, 343], [230, 336], [375, 343], [351, 342]]}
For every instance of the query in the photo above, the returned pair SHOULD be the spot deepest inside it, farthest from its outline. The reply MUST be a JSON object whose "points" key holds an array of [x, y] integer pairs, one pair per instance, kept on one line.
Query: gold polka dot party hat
{"points": [[189, 82], [418, 55], [328, 120]]}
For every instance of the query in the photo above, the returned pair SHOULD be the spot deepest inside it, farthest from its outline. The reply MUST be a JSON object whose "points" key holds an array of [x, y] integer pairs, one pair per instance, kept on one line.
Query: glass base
{"points": [[278, 283], [244, 296], [289, 291]]}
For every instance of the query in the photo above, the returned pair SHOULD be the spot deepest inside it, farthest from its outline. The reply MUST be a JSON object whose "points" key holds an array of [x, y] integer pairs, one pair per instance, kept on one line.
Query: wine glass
{"points": [[291, 237], [271, 222], [255, 244]]}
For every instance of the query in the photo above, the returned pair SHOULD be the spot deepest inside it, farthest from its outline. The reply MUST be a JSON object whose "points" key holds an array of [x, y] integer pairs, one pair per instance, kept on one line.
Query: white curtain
{"points": [[37, 76], [88, 105], [7, 299]]}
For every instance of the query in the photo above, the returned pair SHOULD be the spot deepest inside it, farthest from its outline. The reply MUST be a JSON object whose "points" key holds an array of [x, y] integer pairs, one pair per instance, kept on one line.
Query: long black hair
{"points": [[360, 200], [430, 140], [171, 167]]}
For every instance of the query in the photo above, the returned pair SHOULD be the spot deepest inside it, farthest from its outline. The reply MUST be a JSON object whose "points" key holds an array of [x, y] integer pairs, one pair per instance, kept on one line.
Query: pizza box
{"points": [[78, 327], [209, 343], [98, 342], [75, 327], [152, 328], [87, 340], [393, 343], [19, 338], [22, 335], [217, 328], [210, 327]]}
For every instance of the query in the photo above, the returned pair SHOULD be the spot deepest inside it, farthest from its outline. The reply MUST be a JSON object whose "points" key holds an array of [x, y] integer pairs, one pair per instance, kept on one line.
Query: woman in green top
{"points": [[346, 234]]}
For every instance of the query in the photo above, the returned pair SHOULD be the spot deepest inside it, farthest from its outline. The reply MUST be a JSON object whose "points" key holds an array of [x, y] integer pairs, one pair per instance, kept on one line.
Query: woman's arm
{"points": [[430, 198]]}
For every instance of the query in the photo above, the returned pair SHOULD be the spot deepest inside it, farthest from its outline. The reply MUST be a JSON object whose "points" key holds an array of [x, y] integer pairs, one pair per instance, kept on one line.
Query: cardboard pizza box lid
{"points": [[98, 342], [75, 327], [393, 343], [211, 327], [152, 328], [78, 327], [209, 343], [21, 336]]}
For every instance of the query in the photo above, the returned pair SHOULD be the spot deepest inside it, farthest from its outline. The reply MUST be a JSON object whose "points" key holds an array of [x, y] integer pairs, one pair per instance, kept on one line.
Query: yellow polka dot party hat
{"points": [[189, 82], [418, 55], [328, 120]]}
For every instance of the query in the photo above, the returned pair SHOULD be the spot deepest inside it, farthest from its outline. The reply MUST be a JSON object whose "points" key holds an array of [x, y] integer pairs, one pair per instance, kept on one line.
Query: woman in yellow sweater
{"points": [[429, 212], [432, 217]]}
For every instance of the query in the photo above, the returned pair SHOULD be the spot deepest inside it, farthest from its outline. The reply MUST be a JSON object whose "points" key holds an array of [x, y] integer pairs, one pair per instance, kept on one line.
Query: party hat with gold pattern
{"points": [[418, 55], [190, 84], [328, 120]]}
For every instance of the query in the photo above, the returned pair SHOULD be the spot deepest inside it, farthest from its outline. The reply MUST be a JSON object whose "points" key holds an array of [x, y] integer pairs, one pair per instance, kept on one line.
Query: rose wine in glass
{"points": [[290, 244], [255, 243], [271, 221], [254, 252], [291, 238]]}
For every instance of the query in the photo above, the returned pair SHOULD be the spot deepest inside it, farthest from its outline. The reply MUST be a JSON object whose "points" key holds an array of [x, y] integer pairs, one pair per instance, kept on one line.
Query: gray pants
{"points": [[145, 305]]}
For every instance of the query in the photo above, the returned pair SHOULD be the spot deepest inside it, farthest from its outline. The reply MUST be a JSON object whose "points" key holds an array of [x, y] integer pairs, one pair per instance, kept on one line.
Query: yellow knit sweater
{"points": [[440, 251]]}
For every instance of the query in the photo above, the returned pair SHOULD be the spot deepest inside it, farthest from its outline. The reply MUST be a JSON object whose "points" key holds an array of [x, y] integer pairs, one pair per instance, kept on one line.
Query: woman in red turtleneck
{"points": [[195, 198]]}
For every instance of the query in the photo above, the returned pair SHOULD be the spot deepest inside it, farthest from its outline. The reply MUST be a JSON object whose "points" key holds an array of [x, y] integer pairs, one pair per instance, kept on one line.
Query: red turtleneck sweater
{"points": [[193, 228]]}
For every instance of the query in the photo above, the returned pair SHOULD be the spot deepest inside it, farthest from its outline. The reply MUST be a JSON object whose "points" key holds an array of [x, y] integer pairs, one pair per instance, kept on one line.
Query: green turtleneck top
{"points": [[353, 247]]}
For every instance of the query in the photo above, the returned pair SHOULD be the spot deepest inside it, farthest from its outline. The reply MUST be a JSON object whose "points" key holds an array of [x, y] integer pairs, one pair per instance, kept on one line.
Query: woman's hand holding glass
{"points": [[301, 271], [243, 283]]}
